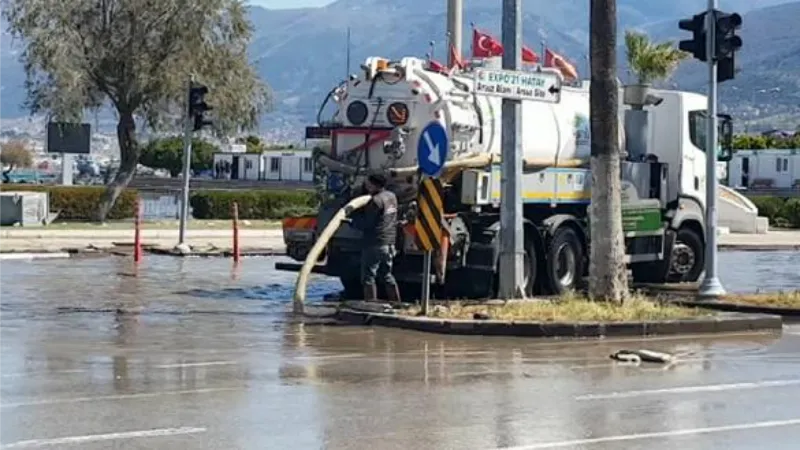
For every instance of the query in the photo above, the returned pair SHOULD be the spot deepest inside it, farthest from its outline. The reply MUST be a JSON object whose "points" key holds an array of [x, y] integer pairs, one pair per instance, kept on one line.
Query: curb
{"points": [[723, 323], [758, 248], [10, 256], [227, 253], [741, 308]]}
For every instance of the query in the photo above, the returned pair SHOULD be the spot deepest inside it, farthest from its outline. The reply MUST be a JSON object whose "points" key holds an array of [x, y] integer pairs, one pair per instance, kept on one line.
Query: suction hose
{"points": [[322, 241]]}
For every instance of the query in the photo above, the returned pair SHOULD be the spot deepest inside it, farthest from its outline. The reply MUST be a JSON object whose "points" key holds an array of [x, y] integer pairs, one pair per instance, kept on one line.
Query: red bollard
{"points": [[236, 232], [137, 236]]}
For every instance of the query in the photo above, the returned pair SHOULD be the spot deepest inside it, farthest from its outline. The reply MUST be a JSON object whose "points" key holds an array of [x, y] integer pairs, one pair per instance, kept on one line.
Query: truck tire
{"points": [[564, 263], [687, 261]]}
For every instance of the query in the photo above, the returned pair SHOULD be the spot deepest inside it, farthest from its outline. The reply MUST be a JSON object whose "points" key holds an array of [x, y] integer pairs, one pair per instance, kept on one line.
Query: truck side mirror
{"points": [[725, 152]]}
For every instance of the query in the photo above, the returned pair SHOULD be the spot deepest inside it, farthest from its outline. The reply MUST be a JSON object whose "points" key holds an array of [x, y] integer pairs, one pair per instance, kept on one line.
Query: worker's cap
{"points": [[377, 179]]}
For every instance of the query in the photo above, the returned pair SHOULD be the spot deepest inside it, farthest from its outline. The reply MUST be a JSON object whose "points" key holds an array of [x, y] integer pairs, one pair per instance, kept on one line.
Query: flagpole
{"points": [[347, 75], [472, 42], [544, 53]]}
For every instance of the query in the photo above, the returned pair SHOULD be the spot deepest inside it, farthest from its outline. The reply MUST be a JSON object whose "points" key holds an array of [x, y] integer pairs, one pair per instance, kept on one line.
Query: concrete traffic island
{"points": [[559, 318]]}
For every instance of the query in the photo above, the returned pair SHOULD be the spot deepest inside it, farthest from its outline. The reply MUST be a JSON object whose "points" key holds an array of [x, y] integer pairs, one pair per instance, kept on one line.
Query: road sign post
{"points": [[428, 228], [432, 151]]}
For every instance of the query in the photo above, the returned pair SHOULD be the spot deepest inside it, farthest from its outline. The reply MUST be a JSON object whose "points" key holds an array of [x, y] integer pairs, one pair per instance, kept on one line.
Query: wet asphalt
{"points": [[194, 354]]}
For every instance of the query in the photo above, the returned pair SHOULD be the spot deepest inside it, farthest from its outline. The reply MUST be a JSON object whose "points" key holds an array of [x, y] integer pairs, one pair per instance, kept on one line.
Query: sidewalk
{"points": [[50, 240], [44, 239]]}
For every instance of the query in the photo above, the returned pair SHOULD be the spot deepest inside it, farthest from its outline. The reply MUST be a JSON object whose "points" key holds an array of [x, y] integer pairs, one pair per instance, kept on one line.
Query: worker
{"points": [[378, 223]]}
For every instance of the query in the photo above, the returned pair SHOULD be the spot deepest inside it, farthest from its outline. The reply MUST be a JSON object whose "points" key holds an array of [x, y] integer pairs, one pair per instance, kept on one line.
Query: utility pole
{"points": [[187, 164], [512, 252], [454, 17], [711, 286]]}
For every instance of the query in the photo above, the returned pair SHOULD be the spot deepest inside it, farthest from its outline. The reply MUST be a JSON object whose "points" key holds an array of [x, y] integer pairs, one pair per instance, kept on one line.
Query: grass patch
{"points": [[569, 308], [194, 224], [775, 299]]}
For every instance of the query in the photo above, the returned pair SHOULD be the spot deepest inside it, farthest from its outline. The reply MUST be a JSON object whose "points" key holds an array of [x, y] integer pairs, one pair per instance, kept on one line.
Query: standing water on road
{"points": [[213, 362]]}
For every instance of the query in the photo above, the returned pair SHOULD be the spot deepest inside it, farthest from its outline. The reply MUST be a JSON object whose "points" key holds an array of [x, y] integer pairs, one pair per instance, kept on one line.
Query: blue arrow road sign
{"points": [[432, 149]]}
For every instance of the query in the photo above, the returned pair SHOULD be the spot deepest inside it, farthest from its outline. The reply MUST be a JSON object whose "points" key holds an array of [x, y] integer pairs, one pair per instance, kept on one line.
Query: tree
{"points": [[14, 154], [651, 62], [137, 56], [607, 272], [254, 143], [167, 153]]}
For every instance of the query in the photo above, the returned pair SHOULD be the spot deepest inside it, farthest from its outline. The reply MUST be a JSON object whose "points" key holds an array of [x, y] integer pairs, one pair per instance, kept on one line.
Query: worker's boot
{"points": [[393, 292], [370, 293]]}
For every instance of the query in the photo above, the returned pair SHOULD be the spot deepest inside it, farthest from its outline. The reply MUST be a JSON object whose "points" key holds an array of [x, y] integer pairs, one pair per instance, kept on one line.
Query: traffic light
{"points": [[727, 43], [697, 45], [198, 106]]}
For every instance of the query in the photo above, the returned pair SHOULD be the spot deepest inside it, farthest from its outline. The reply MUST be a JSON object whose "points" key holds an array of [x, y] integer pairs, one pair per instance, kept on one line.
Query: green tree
{"points": [[254, 143], [14, 154], [137, 56], [608, 276], [167, 153], [651, 62]]}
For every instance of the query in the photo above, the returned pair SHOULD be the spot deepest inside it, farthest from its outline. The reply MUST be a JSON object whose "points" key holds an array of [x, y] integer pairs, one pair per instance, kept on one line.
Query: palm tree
{"points": [[651, 62], [607, 272]]}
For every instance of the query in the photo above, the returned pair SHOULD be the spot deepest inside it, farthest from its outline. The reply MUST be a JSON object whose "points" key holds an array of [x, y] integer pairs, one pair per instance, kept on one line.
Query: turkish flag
{"points": [[529, 55], [553, 59], [484, 45], [436, 66]]}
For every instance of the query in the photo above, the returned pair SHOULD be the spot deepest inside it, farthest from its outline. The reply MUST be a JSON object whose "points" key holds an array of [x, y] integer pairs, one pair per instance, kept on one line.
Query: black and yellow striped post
{"points": [[428, 228]]}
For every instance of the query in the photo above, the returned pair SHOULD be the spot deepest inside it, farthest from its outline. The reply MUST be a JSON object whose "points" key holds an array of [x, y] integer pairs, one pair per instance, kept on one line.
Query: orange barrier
{"points": [[236, 254], [137, 235]]}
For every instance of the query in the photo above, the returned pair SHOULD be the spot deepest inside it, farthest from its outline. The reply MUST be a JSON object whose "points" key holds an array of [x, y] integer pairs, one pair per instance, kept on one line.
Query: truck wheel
{"points": [[564, 267], [687, 260]]}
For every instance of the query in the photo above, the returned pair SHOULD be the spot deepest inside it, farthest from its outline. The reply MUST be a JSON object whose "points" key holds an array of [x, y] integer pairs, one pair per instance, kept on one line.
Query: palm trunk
{"points": [[607, 272], [129, 157]]}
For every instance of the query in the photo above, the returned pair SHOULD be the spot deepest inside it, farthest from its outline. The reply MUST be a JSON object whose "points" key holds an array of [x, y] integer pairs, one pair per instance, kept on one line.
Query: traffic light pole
{"points": [[711, 287], [187, 165]]}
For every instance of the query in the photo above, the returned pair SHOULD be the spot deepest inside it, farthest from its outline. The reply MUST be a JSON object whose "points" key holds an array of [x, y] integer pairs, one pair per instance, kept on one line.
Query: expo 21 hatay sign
{"points": [[539, 86]]}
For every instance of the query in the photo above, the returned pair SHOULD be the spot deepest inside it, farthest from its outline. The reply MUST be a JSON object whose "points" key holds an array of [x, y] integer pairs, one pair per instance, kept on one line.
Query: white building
{"points": [[284, 165], [778, 169]]}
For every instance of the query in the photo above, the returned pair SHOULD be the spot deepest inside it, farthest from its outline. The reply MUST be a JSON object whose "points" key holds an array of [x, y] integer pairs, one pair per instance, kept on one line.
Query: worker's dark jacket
{"points": [[378, 220]]}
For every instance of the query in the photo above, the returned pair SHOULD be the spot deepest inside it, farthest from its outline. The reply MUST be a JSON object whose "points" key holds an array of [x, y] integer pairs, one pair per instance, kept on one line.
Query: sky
{"points": [[280, 4]]}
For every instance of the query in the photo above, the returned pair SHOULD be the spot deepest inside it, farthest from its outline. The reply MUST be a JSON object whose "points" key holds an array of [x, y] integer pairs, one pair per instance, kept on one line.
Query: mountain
{"points": [[384, 27], [301, 53]]}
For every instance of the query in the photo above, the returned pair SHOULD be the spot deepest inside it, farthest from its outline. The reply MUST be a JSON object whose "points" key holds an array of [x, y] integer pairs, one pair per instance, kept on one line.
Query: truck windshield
{"points": [[698, 131]]}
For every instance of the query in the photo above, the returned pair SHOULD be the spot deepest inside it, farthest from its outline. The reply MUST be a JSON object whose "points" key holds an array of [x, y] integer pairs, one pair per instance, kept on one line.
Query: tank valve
{"points": [[396, 146]]}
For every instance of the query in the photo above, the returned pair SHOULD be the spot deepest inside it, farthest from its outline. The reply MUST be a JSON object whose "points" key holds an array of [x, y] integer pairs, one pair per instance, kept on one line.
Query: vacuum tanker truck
{"points": [[376, 127]]}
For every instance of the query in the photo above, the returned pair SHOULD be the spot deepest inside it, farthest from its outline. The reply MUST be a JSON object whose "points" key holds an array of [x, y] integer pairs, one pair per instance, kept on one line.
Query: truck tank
{"points": [[390, 105]]}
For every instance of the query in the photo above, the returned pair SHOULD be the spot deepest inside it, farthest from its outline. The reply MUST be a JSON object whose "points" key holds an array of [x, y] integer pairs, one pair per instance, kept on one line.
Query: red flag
{"points": [[529, 55], [553, 59], [436, 66], [484, 45], [455, 58]]}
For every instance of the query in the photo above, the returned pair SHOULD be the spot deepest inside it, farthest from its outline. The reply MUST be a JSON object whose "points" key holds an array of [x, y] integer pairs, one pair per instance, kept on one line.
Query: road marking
{"points": [[54, 401], [658, 434], [324, 357], [691, 389], [196, 364], [104, 437]]}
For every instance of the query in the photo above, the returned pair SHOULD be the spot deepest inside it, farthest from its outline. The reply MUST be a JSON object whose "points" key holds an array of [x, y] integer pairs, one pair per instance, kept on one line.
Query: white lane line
{"points": [[196, 364], [691, 389], [658, 434], [104, 437], [324, 357], [53, 401]]}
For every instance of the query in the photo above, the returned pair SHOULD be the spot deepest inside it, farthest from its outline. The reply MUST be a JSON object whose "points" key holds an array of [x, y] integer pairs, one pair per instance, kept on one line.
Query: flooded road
{"points": [[212, 362]]}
